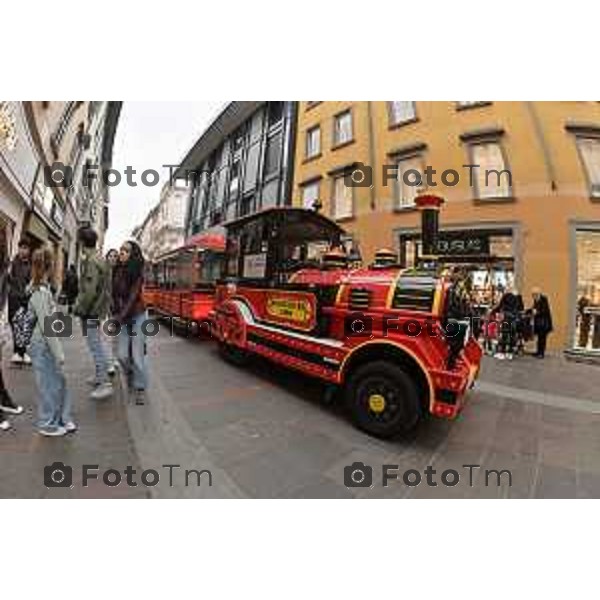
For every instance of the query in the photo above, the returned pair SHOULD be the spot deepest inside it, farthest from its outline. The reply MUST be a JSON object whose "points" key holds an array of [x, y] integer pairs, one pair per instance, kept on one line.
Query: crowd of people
{"points": [[508, 326], [107, 291]]}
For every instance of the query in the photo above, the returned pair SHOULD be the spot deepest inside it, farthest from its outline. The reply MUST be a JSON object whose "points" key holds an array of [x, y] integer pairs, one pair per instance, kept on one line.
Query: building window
{"points": [[342, 202], [310, 194], [590, 156], [275, 113], [313, 142], [234, 179], [342, 128], [471, 103], [410, 179], [246, 205], [490, 176], [587, 330], [273, 155], [402, 111], [63, 125]]}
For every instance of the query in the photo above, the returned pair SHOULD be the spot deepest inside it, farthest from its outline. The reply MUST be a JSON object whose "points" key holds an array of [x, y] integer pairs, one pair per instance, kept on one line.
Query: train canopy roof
{"points": [[291, 223]]}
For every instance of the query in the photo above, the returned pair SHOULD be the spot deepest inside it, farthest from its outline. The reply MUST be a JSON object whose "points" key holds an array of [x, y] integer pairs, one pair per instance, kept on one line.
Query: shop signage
{"points": [[462, 243]]}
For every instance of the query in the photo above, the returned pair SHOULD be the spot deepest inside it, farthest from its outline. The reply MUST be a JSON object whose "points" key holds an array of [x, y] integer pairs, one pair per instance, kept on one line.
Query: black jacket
{"points": [[18, 280], [542, 317], [510, 303], [71, 285]]}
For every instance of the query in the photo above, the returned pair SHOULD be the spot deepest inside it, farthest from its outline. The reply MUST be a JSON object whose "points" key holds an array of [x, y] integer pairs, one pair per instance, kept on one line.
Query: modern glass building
{"points": [[242, 163]]}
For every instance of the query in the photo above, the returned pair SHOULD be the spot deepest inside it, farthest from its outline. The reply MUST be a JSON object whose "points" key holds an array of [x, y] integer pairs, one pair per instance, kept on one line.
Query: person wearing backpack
{"points": [[47, 355], [92, 307]]}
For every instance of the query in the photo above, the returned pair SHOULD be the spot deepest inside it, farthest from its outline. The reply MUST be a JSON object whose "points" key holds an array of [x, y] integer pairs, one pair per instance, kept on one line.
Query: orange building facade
{"points": [[525, 214]]}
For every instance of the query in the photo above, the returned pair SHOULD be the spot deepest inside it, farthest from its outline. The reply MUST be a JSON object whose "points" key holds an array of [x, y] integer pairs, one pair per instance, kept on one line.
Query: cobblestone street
{"points": [[266, 432]]}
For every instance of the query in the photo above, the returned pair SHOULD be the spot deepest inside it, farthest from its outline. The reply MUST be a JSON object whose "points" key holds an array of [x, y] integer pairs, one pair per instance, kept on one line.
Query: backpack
{"points": [[24, 321]]}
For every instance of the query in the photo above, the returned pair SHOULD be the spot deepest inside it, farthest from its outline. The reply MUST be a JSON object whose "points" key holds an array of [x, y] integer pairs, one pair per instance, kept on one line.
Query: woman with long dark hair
{"points": [[7, 406], [129, 309]]}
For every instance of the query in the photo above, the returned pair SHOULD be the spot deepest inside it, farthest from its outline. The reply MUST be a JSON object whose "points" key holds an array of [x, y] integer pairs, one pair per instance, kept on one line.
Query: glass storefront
{"points": [[587, 330], [488, 256]]}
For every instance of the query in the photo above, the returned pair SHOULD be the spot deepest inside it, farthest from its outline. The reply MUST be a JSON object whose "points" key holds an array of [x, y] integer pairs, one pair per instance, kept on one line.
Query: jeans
{"points": [[54, 400], [131, 351], [95, 341]]}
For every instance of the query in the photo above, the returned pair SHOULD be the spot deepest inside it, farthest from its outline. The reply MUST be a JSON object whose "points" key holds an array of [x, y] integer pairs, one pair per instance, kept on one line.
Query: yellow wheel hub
{"points": [[377, 403]]}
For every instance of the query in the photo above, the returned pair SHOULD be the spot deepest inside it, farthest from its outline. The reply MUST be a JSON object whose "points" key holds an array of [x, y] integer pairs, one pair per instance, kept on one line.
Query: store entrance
{"points": [[487, 256], [587, 329]]}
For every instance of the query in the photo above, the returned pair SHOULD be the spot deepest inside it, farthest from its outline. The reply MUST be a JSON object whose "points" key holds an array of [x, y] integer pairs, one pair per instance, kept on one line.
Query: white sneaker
{"points": [[16, 359], [71, 427], [54, 432], [26, 359], [102, 392], [4, 425], [500, 356], [509, 356]]}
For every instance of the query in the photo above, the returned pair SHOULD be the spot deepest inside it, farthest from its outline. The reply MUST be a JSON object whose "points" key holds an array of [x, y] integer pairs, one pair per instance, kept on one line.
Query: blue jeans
{"points": [[54, 400], [132, 351], [94, 339]]}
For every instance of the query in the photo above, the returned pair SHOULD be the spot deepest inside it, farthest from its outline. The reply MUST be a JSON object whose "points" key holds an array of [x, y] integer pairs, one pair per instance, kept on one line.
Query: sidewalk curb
{"points": [[526, 395], [162, 436]]}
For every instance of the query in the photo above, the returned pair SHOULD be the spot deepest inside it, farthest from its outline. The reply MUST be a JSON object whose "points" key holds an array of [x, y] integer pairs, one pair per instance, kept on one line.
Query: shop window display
{"points": [[587, 330]]}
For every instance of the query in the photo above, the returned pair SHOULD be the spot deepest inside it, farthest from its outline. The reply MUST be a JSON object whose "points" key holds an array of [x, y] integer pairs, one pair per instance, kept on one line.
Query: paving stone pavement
{"points": [[103, 438], [267, 432]]}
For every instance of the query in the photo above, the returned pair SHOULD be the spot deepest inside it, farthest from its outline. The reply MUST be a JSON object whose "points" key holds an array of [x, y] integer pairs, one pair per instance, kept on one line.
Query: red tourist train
{"points": [[396, 341], [181, 283]]}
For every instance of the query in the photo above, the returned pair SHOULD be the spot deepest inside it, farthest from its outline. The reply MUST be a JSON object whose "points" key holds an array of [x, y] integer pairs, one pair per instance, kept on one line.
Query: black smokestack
{"points": [[429, 205]]}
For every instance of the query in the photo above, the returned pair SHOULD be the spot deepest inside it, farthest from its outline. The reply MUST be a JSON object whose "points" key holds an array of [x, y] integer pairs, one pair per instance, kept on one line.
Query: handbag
{"points": [[24, 321]]}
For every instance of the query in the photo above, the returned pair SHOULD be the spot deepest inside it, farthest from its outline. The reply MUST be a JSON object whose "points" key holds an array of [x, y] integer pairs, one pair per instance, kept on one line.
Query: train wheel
{"points": [[382, 399], [233, 355]]}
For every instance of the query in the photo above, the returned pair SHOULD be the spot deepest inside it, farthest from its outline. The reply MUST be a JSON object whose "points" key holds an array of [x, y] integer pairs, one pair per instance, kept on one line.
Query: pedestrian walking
{"points": [[91, 307], [47, 355], [112, 258], [542, 320], [7, 405], [130, 311], [511, 306], [18, 280], [70, 287]]}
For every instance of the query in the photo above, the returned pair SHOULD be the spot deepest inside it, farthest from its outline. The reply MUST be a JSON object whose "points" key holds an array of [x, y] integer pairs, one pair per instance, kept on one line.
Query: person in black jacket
{"points": [[7, 405], [18, 280], [542, 320], [510, 305]]}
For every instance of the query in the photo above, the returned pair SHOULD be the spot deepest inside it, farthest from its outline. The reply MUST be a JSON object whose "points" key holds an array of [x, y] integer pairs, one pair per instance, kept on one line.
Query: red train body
{"points": [[181, 283], [390, 338]]}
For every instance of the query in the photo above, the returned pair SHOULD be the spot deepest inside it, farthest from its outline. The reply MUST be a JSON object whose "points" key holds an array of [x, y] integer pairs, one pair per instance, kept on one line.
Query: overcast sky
{"points": [[149, 135]]}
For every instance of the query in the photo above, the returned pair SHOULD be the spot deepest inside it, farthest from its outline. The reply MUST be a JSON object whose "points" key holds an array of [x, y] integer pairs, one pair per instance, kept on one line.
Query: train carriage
{"points": [[181, 283], [396, 341]]}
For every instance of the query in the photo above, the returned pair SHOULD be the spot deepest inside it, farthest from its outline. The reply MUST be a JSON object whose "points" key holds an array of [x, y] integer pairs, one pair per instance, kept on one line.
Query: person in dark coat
{"points": [[71, 287], [510, 305], [130, 311], [7, 405], [542, 321], [18, 279]]}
